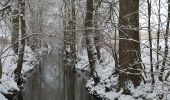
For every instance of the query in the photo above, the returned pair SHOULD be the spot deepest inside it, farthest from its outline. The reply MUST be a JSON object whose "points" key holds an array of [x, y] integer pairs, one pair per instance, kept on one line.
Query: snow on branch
{"points": [[5, 7]]}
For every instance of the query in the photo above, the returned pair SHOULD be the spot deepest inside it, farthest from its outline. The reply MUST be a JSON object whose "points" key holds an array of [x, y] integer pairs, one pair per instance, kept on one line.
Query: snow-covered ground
{"points": [[106, 89], [9, 61], [2, 97]]}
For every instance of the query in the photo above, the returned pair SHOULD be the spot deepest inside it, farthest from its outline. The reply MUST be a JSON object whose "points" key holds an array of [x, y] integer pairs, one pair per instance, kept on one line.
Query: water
{"points": [[54, 81]]}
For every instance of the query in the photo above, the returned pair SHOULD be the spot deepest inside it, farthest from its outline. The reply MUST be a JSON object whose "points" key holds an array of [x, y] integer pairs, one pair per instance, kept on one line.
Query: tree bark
{"points": [[158, 34], [166, 45], [73, 33], [91, 49], [150, 40], [22, 32], [0, 68], [97, 37], [69, 24], [15, 30], [129, 46]]}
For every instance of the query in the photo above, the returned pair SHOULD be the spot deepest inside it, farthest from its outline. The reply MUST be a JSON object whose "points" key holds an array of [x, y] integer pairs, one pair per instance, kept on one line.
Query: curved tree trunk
{"points": [[91, 49]]}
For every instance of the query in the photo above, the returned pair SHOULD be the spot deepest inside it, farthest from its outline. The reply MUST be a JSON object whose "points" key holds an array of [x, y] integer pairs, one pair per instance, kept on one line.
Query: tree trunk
{"points": [[22, 32], [150, 40], [166, 45], [65, 24], [158, 34], [97, 37], [73, 33], [97, 40], [97, 31], [129, 46], [15, 30], [36, 24], [91, 49], [0, 68]]}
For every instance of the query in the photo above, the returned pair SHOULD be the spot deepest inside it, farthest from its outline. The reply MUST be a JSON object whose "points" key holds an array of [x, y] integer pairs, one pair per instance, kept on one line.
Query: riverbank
{"points": [[9, 62], [104, 71], [107, 87]]}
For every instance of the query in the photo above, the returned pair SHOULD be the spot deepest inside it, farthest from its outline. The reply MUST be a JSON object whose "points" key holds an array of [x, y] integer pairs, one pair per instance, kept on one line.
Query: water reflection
{"points": [[54, 81]]}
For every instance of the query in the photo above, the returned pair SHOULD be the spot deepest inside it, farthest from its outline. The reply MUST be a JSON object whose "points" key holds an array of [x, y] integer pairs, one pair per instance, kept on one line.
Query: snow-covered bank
{"points": [[2, 97], [107, 88], [104, 71], [9, 61]]}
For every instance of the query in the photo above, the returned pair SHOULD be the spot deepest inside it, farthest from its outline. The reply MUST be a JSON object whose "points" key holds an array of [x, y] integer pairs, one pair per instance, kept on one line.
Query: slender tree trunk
{"points": [[70, 31], [91, 49], [22, 32], [115, 55], [15, 30], [73, 32], [150, 40], [129, 45], [166, 45], [97, 31], [65, 25], [97, 37], [0, 68], [158, 34]]}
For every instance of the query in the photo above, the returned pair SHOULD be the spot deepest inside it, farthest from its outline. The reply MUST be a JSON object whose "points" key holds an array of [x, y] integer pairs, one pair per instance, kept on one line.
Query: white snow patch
{"points": [[160, 90], [2, 97], [9, 63]]}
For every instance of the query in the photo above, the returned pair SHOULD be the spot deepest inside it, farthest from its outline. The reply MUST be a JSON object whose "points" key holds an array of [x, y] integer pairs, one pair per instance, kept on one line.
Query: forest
{"points": [[84, 50]]}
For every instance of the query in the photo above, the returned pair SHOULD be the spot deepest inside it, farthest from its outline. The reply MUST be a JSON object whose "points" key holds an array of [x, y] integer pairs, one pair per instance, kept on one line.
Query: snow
{"points": [[161, 90], [2, 97], [9, 61]]}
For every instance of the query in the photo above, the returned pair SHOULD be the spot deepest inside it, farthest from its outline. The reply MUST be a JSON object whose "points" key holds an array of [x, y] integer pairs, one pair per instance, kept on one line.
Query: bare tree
{"points": [[166, 45], [69, 23], [15, 29], [22, 34], [73, 32], [150, 40], [158, 33], [0, 69], [5, 7], [97, 37], [129, 46], [37, 11], [91, 49]]}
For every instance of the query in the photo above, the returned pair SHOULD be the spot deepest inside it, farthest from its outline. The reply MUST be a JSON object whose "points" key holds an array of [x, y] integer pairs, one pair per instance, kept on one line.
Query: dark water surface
{"points": [[54, 81]]}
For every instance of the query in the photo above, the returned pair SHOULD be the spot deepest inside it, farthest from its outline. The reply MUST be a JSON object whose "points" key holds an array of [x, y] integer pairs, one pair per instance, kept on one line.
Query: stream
{"points": [[53, 80]]}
